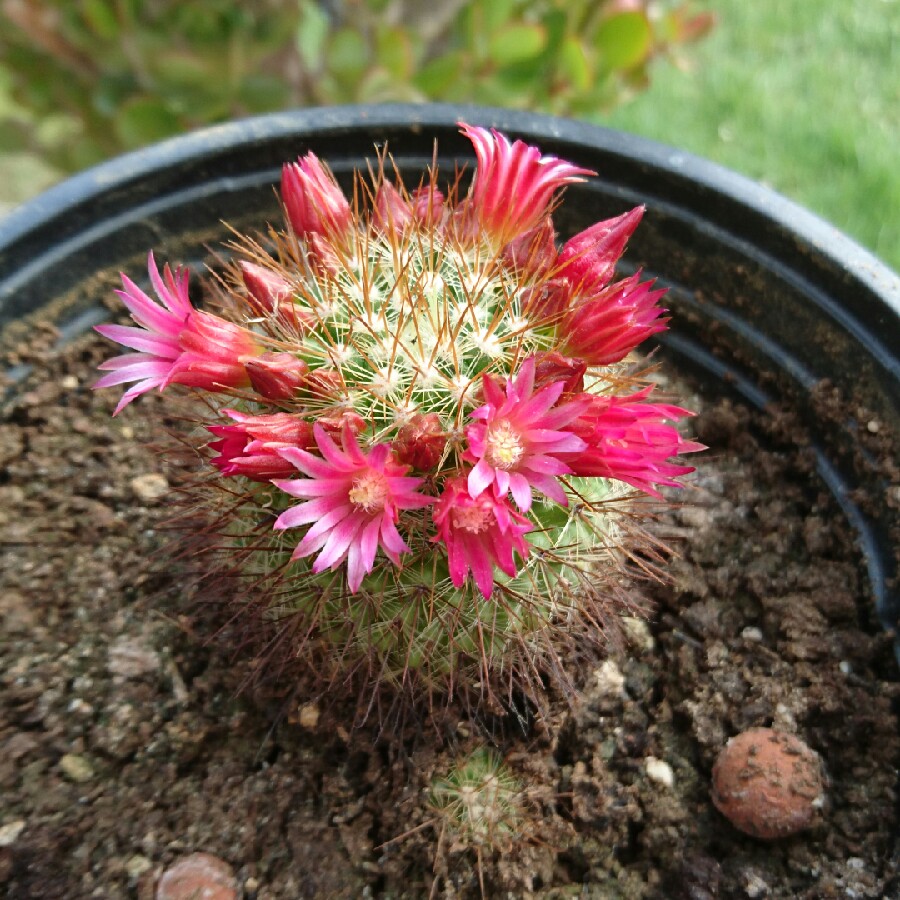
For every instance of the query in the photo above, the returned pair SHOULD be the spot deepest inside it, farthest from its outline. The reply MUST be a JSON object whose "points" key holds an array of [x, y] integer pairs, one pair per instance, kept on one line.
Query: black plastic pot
{"points": [[769, 301]]}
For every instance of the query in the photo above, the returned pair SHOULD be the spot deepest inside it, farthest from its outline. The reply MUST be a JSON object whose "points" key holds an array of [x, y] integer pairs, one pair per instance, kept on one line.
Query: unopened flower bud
{"points": [[421, 442], [551, 366], [277, 376], [313, 200], [588, 260], [273, 295], [335, 421]]}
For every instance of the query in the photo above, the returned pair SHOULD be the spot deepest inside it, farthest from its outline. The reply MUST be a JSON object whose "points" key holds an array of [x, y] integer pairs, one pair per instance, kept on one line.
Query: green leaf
{"points": [[347, 54], [144, 120], [393, 51], [439, 75], [101, 18], [624, 40], [516, 43], [573, 64], [492, 14], [312, 30]]}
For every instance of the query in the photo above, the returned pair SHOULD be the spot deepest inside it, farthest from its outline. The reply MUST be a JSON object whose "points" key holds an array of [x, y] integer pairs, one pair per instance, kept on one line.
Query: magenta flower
{"points": [[588, 260], [176, 343], [394, 211], [514, 185], [273, 295], [250, 448], [627, 439], [354, 499], [518, 437], [277, 376], [479, 533], [314, 202], [604, 328]]}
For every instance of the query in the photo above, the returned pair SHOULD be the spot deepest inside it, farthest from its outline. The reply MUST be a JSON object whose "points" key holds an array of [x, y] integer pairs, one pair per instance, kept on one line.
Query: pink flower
{"points": [[393, 211], [605, 328], [251, 447], [588, 260], [518, 438], [514, 185], [314, 202], [277, 376], [353, 498], [421, 442], [479, 533], [273, 295], [176, 343], [627, 440]]}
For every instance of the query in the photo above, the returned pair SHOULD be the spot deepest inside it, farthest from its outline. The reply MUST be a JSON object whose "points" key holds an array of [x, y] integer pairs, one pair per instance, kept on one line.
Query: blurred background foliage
{"points": [[801, 94], [89, 79]]}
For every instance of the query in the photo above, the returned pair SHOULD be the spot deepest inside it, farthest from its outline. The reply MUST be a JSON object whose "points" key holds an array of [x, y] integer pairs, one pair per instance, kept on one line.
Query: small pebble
{"points": [[752, 634], [137, 865], [200, 876], [69, 382], [76, 768], [9, 833], [768, 784], [309, 716], [610, 680], [660, 771], [149, 487], [638, 633], [754, 886], [129, 658]]}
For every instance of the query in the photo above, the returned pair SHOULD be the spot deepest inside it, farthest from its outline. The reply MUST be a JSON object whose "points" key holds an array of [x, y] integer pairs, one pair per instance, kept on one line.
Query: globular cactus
{"points": [[479, 803], [426, 436]]}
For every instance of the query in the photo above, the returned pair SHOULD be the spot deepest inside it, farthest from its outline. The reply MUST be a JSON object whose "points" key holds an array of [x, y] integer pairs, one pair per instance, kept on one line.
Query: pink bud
{"points": [[274, 296], [335, 421], [534, 252], [393, 210], [588, 260], [277, 376], [551, 366], [250, 447], [605, 327], [421, 442], [313, 200]]}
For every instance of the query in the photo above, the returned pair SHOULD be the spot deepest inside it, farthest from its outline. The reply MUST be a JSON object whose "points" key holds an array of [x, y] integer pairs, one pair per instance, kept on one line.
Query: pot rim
{"points": [[108, 177]]}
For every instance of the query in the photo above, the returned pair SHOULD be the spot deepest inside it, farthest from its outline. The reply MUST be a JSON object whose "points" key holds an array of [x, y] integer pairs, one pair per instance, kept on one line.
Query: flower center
{"points": [[473, 519], [369, 492], [504, 446]]}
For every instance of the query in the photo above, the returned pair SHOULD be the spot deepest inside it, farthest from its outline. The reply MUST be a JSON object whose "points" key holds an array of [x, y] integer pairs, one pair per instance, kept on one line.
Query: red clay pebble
{"points": [[768, 784], [200, 876]]}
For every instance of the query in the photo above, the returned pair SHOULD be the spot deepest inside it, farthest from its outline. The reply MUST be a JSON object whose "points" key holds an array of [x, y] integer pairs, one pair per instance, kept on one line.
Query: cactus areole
{"points": [[422, 432]]}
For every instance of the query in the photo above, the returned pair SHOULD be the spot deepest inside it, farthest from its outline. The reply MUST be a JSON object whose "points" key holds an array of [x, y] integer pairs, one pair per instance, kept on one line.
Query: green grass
{"points": [[803, 95]]}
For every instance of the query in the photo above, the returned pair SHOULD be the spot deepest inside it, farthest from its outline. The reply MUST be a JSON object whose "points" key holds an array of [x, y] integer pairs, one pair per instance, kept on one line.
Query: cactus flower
{"points": [[518, 437], [479, 533], [250, 447], [176, 343], [354, 499]]}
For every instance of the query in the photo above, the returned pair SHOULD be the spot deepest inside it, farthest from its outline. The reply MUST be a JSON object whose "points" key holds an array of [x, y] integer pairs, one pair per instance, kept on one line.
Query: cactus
{"points": [[479, 802], [428, 439]]}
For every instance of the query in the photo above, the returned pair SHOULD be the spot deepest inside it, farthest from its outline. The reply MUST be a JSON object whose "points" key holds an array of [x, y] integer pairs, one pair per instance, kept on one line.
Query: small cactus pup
{"points": [[478, 803], [423, 440]]}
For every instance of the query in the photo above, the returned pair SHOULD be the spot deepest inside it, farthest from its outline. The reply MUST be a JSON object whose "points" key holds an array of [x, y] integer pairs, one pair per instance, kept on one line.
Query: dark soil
{"points": [[124, 742]]}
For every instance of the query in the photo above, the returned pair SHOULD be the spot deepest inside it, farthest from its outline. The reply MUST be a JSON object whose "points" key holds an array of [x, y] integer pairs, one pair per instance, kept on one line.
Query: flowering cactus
{"points": [[430, 440]]}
